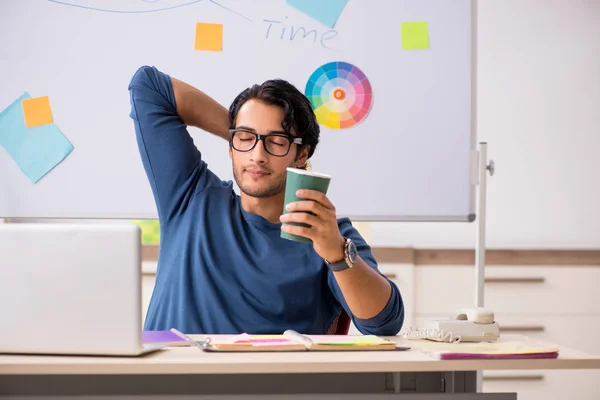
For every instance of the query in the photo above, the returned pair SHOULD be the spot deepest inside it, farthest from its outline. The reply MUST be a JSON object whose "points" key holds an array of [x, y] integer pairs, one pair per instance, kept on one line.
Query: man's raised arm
{"points": [[161, 107], [198, 109]]}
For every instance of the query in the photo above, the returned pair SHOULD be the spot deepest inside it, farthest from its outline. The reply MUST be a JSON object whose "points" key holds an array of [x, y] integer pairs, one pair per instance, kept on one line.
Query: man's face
{"points": [[256, 172]]}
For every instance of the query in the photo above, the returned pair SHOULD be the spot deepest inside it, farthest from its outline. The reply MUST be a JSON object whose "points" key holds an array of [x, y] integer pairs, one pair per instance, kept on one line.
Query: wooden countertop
{"points": [[191, 360]]}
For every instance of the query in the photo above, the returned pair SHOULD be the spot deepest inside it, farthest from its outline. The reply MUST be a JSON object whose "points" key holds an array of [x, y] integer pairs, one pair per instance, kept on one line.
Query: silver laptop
{"points": [[71, 289]]}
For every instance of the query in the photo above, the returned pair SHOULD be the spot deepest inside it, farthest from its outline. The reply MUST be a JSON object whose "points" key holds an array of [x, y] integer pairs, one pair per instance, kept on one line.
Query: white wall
{"points": [[539, 112]]}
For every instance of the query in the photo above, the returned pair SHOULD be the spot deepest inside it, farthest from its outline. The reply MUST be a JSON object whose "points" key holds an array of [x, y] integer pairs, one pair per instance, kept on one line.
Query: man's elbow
{"points": [[389, 322], [396, 325], [391, 328], [142, 77]]}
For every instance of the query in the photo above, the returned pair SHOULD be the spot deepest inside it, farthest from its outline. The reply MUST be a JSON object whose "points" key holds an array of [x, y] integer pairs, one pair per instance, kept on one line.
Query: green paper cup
{"points": [[302, 179]]}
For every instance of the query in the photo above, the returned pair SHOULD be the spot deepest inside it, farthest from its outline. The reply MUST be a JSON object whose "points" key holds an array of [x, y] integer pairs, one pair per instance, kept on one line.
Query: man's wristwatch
{"points": [[349, 259]]}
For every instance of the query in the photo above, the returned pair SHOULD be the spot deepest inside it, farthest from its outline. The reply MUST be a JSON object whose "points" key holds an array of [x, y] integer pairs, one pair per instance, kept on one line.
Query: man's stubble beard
{"points": [[272, 190]]}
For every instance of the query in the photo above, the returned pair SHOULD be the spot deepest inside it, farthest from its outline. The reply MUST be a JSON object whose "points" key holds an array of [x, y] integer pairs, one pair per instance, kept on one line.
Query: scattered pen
{"points": [[188, 339]]}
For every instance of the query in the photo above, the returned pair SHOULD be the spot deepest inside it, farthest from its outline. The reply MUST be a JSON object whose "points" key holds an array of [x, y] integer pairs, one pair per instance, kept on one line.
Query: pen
{"points": [[188, 339]]}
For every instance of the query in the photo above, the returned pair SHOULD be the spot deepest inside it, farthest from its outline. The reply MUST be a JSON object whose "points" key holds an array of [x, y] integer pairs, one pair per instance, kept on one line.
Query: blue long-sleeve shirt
{"points": [[222, 269]]}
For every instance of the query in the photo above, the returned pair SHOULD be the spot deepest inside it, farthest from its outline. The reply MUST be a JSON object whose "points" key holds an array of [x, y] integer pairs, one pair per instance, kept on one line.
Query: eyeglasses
{"points": [[276, 144]]}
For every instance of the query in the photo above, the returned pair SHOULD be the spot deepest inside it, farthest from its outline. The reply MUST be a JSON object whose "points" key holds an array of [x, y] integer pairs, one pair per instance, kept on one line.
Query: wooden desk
{"points": [[189, 371]]}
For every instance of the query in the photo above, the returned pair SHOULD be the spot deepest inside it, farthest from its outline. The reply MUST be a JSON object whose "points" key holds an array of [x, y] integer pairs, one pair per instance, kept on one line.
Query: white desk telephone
{"points": [[468, 325]]}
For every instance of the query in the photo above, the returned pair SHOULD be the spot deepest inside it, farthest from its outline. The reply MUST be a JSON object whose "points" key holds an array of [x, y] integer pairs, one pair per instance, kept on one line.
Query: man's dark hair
{"points": [[298, 113]]}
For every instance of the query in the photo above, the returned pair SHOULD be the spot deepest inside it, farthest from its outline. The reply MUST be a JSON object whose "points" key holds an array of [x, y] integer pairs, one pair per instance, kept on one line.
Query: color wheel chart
{"points": [[340, 94]]}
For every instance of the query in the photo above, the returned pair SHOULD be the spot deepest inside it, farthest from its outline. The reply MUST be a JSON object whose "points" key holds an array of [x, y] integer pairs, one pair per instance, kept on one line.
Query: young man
{"points": [[223, 267]]}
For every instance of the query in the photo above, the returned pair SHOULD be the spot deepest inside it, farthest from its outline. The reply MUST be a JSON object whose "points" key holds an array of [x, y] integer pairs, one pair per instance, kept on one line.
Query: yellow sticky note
{"points": [[209, 36], [415, 35], [37, 111]]}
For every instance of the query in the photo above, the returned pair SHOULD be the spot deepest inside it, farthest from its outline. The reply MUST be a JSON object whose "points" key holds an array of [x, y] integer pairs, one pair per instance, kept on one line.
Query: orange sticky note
{"points": [[37, 111], [209, 36]]}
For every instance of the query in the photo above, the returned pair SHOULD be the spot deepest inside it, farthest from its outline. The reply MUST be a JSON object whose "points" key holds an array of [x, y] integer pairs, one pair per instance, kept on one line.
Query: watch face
{"points": [[352, 252]]}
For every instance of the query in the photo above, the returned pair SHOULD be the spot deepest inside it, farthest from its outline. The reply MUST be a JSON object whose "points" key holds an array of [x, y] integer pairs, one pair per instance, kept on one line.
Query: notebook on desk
{"points": [[165, 338], [504, 348], [294, 341]]}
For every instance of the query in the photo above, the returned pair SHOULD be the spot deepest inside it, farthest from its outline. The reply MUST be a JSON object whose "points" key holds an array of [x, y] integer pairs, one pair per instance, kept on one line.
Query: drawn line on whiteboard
{"points": [[189, 3], [230, 10], [123, 11]]}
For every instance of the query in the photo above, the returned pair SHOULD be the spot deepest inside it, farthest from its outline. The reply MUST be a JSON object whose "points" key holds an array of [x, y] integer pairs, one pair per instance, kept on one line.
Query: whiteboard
{"points": [[410, 159]]}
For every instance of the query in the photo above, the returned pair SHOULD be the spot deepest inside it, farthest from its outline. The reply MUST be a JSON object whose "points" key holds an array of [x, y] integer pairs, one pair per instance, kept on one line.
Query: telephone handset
{"points": [[467, 325], [477, 315]]}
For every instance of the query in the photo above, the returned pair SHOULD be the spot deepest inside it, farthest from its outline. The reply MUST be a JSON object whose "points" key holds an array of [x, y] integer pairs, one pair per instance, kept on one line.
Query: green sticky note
{"points": [[150, 230], [415, 35]]}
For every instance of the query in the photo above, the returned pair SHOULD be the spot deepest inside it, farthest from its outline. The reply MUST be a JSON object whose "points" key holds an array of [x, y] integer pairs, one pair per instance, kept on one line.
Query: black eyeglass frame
{"points": [[258, 137]]}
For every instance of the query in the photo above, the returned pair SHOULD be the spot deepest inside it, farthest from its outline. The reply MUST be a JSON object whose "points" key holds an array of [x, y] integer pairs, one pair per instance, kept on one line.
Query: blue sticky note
{"points": [[35, 150], [325, 11]]}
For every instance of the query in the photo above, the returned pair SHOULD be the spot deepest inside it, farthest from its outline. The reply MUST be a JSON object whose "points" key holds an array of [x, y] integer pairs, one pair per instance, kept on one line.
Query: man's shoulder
{"points": [[215, 186], [209, 202]]}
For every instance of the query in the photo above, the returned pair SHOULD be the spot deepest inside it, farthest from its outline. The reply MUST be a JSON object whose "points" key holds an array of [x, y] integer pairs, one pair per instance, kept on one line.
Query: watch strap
{"points": [[338, 266], [345, 262]]}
